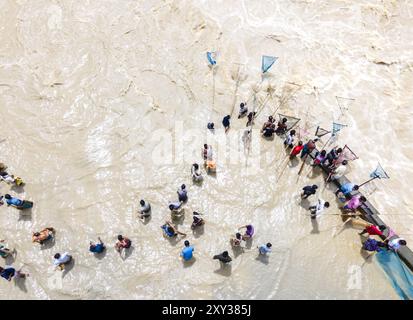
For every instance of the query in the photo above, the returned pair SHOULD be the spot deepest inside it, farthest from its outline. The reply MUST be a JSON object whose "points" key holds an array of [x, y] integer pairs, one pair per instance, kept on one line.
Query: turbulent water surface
{"points": [[93, 94]]}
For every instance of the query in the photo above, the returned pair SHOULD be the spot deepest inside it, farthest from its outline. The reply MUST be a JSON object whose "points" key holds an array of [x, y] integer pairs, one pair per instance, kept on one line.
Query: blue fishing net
{"points": [[397, 272]]}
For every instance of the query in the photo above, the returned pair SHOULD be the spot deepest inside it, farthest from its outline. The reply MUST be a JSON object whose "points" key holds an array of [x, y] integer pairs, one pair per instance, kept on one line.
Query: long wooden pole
{"points": [[367, 181]]}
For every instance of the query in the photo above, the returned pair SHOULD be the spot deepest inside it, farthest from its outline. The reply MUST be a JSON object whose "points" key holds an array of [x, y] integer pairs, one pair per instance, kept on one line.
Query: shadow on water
{"points": [[314, 173], [68, 267], [179, 220], [263, 258], [248, 243], [175, 240], [293, 162], [146, 220], [304, 203], [17, 189], [237, 251], [198, 231], [20, 282], [127, 252], [224, 270], [101, 255], [314, 224], [189, 263], [48, 244], [25, 215]]}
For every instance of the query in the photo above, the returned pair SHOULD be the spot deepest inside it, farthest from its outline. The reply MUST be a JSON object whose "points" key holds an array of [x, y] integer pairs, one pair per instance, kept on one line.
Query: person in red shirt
{"points": [[373, 230], [297, 149]]}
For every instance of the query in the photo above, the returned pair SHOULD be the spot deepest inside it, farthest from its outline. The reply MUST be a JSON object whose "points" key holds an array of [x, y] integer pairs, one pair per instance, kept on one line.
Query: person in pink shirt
{"points": [[355, 202]]}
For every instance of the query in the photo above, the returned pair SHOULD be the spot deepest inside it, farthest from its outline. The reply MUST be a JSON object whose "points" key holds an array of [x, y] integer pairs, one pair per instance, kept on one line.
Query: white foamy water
{"points": [[85, 87]]}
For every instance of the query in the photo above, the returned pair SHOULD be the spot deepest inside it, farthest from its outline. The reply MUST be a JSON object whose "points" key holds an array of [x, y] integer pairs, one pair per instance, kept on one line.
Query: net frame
{"points": [[288, 121], [379, 172]]}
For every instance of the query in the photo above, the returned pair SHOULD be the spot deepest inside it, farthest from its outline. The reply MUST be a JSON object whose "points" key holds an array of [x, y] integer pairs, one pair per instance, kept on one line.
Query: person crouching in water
{"points": [[17, 203], [196, 173], [61, 260], [289, 141], [176, 209], [243, 109], [281, 126], [45, 235], [97, 247], [122, 243], [197, 220], [237, 240], [170, 231]]}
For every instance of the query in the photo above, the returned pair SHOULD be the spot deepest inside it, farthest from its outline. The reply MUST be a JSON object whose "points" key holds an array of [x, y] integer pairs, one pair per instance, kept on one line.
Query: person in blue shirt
{"points": [[8, 272], [19, 204], [97, 247], [187, 251], [346, 189], [265, 248]]}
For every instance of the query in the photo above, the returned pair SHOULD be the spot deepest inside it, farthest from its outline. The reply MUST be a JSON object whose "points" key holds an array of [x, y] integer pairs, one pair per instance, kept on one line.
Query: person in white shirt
{"points": [[60, 260], [196, 173], [145, 210], [318, 208], [243, 109], [338, 172], [289, 141]]}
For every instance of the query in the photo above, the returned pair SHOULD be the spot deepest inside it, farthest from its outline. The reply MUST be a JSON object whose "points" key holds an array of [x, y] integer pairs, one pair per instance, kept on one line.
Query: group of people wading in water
{"points": [[337, 167]]}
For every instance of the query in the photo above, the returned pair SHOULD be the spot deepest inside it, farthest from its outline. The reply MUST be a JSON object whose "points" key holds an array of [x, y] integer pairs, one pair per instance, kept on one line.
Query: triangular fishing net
{"points": [[267, 62], [379, 173], [347, 154], [344, 103], [321, 132], [337, 127], [291, 121], [303, 133], [212, 56]]}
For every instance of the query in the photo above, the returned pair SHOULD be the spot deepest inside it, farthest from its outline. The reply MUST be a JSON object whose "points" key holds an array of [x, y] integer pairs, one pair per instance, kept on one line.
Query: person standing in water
{"points": [[296, 150], [264, 249], [182, 194], [226, 123], [207, 152], [211, 126], [17, 203], [308, 191], [243, 109], [197, 220], [237, 240], [8, 272], [250, 117], [338, 172], [97, 247], [45, 235], [61, 260], [6, 252], [223, 257], [196, 173], [249, 232], [289, 141], [308, 147], [145, 210], [187, 251], [170, 230], [122, 243], [318, 208], [281, 126]]}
